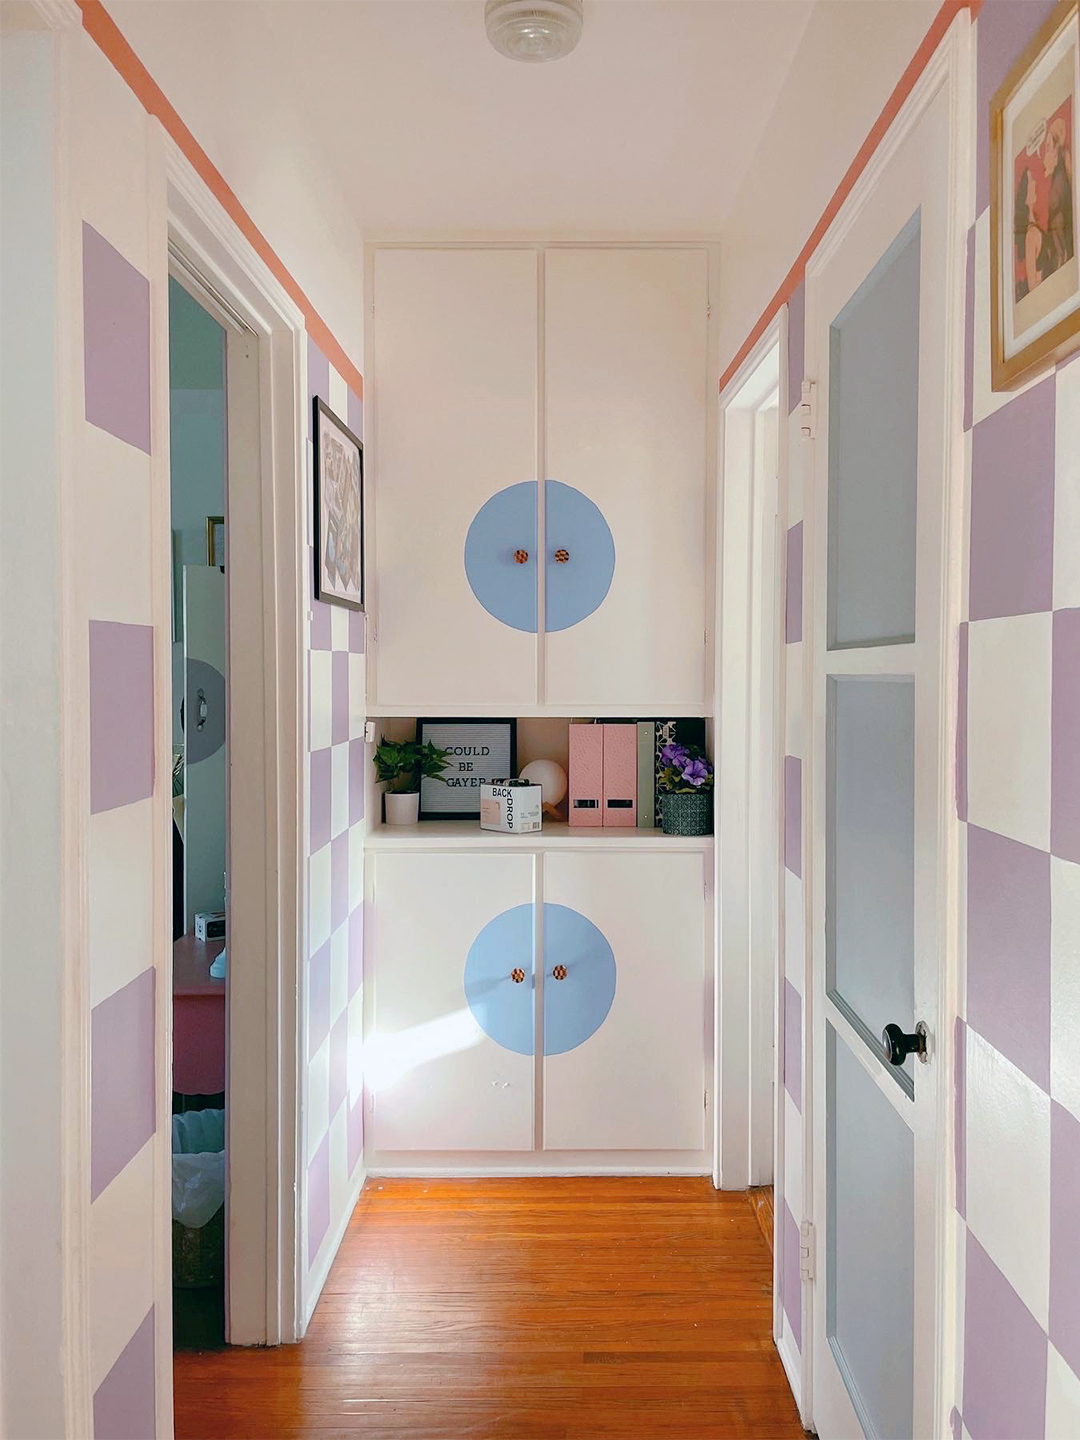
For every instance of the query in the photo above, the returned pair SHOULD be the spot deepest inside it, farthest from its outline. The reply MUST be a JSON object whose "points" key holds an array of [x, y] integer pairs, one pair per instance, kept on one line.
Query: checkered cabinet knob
{"points": [[517, 975]]}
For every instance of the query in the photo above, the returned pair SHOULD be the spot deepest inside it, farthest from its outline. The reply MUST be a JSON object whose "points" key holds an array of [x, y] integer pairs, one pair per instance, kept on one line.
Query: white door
{"points": [[454, 504], [626, 398], [882, 314], [204, 740], [449, 1055], [624, 1001]]}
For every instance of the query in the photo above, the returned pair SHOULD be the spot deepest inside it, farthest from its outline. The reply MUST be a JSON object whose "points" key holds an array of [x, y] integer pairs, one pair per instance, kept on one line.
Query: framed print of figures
{"points": [[339, 510], [1034, 270]]}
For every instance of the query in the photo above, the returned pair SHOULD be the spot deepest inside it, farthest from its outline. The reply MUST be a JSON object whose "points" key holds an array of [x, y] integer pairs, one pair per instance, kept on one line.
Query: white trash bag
{"points": [[198, 1176]]}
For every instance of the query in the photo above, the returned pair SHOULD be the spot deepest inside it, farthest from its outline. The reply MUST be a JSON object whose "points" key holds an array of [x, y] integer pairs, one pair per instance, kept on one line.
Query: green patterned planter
{"points": [[686, 814]]}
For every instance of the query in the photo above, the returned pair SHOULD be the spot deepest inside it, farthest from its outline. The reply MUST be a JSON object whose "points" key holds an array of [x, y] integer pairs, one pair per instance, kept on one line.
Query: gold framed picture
{"points": [[1034, 269]]}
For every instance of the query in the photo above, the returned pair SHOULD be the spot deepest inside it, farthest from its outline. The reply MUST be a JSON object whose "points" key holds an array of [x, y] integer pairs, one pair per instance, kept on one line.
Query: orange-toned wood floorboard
{"points": [[538, 1309]]}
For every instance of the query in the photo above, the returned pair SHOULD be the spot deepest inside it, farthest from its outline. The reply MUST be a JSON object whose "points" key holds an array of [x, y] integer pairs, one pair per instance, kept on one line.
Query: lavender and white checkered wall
{"points": [[1018, 796], [335, 871]]}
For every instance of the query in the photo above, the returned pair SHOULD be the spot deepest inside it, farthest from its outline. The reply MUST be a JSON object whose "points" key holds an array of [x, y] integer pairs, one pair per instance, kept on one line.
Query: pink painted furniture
{"points": [[198, 1018]]}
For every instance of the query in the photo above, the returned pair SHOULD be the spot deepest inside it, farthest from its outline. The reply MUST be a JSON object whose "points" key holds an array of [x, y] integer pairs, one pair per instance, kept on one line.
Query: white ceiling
{"points": [[404, 110]]}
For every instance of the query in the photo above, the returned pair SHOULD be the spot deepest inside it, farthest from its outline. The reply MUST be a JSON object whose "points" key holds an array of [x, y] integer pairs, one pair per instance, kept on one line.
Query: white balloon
{"points": [[550, 776]]}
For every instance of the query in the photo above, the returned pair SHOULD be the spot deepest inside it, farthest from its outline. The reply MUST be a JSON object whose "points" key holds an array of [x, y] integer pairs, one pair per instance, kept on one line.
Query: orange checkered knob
{"points": [[517, 975], [562, 556], [559, 972], [521, 556]]}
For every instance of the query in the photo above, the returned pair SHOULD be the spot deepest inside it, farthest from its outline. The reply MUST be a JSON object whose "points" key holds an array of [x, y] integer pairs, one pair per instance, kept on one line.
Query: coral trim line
{"points": [[105, 33], [919, 61]]}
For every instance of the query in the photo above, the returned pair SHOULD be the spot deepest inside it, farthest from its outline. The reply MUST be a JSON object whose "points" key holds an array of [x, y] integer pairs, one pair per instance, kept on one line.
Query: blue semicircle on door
{"points": [[501, 527], [578, 586]]}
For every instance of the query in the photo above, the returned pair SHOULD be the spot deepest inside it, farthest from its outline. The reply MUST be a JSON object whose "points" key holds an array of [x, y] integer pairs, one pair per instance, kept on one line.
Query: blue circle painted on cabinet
{"points": [[576, 1003], [504, 526], [501, 1005], [577, 529]]}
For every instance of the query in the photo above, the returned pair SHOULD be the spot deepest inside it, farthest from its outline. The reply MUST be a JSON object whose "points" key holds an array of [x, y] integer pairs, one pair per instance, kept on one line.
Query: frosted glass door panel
{"points": [[870, 930], [870, 1246], [873, 452]]}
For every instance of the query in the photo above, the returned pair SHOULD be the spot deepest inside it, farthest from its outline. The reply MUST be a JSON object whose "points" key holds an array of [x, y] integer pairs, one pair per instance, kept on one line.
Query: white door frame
{"points": [[951, 66], [748, 711], [266, 704]]}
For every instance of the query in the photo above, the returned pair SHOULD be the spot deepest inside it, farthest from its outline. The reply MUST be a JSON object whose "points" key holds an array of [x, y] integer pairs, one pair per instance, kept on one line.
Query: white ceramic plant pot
{"points": [[402, 809]]}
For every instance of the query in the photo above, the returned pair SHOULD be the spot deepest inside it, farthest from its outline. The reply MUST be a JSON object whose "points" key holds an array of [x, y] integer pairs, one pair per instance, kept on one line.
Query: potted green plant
{"points": [[400, 765], [685, 783]]}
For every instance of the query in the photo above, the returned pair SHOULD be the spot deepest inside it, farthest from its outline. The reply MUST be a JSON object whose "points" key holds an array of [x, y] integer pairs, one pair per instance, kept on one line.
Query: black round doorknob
{"points": [[898, 1046]]}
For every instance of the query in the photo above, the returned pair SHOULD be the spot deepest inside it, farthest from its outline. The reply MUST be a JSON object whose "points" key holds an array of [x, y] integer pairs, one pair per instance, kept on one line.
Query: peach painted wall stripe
{"points": [[933, 37], [105, 33]]}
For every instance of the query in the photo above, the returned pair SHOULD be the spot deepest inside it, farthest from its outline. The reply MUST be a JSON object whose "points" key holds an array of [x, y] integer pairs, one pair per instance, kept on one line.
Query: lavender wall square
{"points": [[318, 997], [124, 1402], [1065, 737], [121, 714], [1004, 1356], [960, 1114], [321, 798], [318, 381], [321, 623], [793, 1043], [357, 621], [1008, 949], [356, 950], [1004, 28], [1012, 507], [1065, 1234], [339, 879], [318, 1198], [356, 781], [793, 814], [339, 697], [794, 585], [122, 1101], [116, 342], [790, 1276], [962, 725], [356, 1132], [339, 1062], [796, 340]]}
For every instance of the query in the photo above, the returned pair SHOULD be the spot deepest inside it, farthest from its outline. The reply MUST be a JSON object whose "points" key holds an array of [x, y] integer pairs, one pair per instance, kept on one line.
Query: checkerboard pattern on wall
{"points": [[1018, 796], [335, 867]]}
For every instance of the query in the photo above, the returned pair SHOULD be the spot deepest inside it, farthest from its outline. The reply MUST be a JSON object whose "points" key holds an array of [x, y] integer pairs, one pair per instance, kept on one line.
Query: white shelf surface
{"points": [[556, 835]]}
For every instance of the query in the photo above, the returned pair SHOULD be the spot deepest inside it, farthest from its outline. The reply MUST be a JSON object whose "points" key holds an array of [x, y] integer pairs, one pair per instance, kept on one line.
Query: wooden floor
{"points": [[553, 1309]]}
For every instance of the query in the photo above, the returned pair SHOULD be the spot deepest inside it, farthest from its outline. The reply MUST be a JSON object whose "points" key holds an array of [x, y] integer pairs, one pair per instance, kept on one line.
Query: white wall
{"points": [[851, 56], [282, 181], [31, 1395]]}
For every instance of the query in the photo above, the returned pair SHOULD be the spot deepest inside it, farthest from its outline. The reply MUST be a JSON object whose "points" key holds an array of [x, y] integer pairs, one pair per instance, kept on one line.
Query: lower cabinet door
{"points": [[624, 1001], [450, 1051]]}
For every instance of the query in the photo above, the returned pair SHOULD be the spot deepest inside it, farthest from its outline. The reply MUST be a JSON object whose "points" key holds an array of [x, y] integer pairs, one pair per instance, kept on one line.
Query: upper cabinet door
{"points": [[626, 399], [455, 503]]}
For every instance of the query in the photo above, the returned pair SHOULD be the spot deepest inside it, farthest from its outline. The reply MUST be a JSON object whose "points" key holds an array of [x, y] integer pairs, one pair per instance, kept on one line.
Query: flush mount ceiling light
{"points": [[533, 30]]}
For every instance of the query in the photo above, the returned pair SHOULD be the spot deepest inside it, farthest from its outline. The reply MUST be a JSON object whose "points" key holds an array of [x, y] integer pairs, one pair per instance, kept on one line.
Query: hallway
{"points": [[553, 1309]]}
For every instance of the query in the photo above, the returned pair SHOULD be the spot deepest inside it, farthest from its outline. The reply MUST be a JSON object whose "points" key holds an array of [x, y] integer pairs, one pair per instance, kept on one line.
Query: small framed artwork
{"points": [[479, 750], [1034, 270], [339, 510], [215, 541]]}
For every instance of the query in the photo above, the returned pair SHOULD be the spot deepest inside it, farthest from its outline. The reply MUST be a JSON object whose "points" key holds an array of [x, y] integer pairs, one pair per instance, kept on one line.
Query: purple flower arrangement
{"points": [[687, 770]]}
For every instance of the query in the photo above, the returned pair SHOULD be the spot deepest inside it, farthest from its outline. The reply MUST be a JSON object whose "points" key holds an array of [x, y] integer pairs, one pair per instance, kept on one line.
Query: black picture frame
{"points": [[322, 416], [496, 770]]}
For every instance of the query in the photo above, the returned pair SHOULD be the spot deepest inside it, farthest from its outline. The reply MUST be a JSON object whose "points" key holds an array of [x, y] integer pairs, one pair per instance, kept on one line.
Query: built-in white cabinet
{"points": [[537, 461], [536, 1001]]}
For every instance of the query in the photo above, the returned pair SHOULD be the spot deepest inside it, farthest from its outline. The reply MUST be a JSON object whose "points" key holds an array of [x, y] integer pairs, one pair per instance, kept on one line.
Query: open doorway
{"points": [[213, 388], [749, 768]]}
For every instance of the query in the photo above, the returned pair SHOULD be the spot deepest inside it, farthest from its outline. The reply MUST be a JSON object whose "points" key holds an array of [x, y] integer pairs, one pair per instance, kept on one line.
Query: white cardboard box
{"points": [[512, 806]]}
